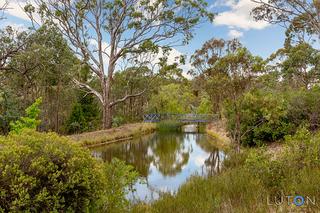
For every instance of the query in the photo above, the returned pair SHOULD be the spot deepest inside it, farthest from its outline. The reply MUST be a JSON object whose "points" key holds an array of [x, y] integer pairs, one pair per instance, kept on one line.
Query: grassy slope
{"points": [[218, 133], [121, 133]]}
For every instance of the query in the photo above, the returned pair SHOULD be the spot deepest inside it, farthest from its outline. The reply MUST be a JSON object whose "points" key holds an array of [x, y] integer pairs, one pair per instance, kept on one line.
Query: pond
{"points": [[165, 160]]}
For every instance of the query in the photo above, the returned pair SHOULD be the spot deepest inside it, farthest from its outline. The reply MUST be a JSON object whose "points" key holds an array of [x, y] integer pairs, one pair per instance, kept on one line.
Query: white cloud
{"points": [[199, 160], [235, 34], [16, 8], [239, 15], [172, 58], [16, 26], [220, 3]]}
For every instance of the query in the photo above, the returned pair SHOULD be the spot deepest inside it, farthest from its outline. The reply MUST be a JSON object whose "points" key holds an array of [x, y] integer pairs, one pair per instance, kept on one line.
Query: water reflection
{"points": [[165, 161], [170, 153]]}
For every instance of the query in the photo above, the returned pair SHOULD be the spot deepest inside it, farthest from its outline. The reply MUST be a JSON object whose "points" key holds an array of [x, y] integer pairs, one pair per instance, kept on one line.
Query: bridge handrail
{"points": [[188, 117]]}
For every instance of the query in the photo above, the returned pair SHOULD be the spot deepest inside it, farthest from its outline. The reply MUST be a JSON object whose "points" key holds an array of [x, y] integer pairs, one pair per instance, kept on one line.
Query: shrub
{"points": [[258, 117], [84, 116], [30, 121], [44, 172], [120, 179], [271, 173], [304, 108], [77, 122]]}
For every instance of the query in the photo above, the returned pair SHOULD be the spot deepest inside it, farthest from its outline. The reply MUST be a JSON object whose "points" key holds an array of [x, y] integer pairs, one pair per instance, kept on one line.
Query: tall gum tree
{"points": [[121, 30], [300, 17], [228, 70]]}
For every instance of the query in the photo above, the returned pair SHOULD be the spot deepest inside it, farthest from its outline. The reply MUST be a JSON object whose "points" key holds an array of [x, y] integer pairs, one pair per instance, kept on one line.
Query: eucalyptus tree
{"points": [[299, 16], [228, 71], [11, 42], [207, 62], [43, 67], [301, 65], [106, 34]]}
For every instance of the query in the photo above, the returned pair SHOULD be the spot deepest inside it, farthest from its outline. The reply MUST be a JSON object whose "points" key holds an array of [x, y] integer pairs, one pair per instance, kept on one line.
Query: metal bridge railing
{"points": [[186, 118]]}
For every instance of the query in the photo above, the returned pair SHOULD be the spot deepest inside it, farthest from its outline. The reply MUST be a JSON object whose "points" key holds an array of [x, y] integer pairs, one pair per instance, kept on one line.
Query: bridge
{"points": [[183, 118]]}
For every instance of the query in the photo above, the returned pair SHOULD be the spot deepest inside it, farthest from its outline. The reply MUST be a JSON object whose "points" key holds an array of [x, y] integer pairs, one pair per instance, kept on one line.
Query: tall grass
{"points": [[251, 178], [169, 126], [234, 191]]}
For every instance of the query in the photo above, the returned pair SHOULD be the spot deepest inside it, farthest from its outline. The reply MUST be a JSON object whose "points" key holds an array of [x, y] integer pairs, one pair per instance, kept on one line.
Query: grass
{"points": [[169, 126], [217, 132], [251, 181], [113, 135], [233, 191]]}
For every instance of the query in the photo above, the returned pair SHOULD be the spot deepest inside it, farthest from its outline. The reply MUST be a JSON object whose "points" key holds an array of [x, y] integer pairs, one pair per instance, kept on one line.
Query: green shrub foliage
{"points": [[84, 115], [44, 172], [30, 121], [261, 117]]}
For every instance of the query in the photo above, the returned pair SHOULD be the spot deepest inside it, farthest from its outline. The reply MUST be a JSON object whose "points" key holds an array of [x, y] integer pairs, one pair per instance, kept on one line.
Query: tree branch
{"points": [[126, 97], [91, 90]]}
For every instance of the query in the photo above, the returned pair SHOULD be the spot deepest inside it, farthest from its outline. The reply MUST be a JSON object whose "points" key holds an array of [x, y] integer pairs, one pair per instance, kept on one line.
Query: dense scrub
{"points": [[253, 181], [266, 116], [44, 172]]}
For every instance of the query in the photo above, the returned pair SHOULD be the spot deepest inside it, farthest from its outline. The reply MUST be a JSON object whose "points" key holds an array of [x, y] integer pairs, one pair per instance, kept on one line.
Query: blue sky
{"points": [[233, 21]]}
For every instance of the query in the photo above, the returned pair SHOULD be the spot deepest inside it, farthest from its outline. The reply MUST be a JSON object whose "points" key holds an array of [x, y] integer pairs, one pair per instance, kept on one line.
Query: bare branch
{"points": [[90, 89], [126, 97], [3, 8]]}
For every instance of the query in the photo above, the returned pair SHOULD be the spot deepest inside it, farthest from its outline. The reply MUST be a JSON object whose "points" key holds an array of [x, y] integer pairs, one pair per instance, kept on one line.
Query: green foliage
{"points": [[262, 117], [301, 66], [205, 106], [84, 116], [77, 122], [31, 120], [249, 178], [132, 80], [44, 172], [233, 191], [304, 108], [43, 67], [120, 178], [168, 126], [172, 98], [9, 109]]}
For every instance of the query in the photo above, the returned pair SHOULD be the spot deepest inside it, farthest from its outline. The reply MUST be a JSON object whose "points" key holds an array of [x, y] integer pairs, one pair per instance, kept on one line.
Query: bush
{"points": [[258, 117], [84, 116], [271, 173], [44, 172], [120, 179], [304, 108], [31, 120]]}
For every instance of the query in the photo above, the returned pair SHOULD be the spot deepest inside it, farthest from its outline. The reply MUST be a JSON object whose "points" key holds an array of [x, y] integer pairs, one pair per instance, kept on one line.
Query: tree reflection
{"points": [[213, 163], [170, 153], [167, 152], [134, 152]]}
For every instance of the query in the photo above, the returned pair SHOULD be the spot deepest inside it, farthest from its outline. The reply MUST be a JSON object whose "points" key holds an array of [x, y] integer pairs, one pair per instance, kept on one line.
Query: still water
{"points": [[165, 160]]}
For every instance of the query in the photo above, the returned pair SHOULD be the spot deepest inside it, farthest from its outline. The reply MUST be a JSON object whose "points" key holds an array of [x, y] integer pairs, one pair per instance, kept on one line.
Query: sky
{"points": [[233, 20]]}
